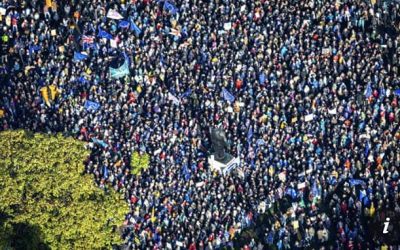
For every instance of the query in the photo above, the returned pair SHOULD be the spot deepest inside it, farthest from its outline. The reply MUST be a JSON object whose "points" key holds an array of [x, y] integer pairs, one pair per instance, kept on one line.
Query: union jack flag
{"points": [[88, 39]]}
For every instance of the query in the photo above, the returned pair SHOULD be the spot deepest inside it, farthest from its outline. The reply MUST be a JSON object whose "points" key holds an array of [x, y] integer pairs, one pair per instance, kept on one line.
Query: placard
{"points": [[309, 117], [301, 185]]}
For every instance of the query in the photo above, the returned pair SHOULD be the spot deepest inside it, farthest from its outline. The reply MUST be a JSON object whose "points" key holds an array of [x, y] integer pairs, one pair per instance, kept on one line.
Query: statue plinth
{"points": [[223, 167], [225, 158]]}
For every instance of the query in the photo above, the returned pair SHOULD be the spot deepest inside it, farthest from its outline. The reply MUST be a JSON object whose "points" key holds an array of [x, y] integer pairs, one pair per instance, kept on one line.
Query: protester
{"points": [[306, 91]]}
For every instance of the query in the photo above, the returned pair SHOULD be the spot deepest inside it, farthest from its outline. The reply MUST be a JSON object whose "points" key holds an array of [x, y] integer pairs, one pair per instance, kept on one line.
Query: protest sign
{"points": [[113, 43], [301, 185], [200, 184], [332, 111], [309, 117], [227, 26], [295, 224]]}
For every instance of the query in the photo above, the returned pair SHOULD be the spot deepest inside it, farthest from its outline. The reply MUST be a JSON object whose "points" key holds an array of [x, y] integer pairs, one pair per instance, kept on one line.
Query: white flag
{"points": [[113, 14], [173, 98], [282, 176]]}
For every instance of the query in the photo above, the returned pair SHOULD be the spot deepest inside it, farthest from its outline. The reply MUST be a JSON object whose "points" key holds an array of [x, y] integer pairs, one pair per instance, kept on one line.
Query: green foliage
{"points": [[139, 162], [23, 236], [42, 185]]}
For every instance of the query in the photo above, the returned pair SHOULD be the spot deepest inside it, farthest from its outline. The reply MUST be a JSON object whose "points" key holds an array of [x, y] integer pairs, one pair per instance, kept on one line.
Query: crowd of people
{"points": [[306, 92]]}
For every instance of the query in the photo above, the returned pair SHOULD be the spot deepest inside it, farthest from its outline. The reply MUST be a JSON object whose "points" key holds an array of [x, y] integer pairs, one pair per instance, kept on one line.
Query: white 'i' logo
{"points": [[385, 228]]}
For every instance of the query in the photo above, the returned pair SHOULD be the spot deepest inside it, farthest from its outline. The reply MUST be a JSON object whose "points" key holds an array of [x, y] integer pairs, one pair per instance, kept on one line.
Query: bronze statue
{"points": [[219, 144]]}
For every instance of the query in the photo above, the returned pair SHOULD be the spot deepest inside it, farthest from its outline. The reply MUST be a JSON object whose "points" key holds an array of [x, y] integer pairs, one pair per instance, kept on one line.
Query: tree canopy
{"points": [[139, 162], [43, 185]]}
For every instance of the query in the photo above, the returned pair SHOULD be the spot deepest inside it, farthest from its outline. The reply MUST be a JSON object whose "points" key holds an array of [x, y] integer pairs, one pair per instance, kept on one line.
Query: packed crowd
{"points": [[306, 91]]}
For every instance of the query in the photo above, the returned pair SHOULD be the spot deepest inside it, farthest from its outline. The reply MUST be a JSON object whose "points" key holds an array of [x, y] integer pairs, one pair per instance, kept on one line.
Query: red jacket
{"points": [[192, 246]]}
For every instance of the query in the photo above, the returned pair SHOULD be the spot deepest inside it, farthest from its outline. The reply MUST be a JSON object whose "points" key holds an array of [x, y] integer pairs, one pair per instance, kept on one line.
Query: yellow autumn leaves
{"points": [[139, 162]]}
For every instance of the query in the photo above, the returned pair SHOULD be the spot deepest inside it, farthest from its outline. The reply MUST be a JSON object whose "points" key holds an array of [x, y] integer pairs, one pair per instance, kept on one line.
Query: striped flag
{"points": [[175, 32], [87, 39]]}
